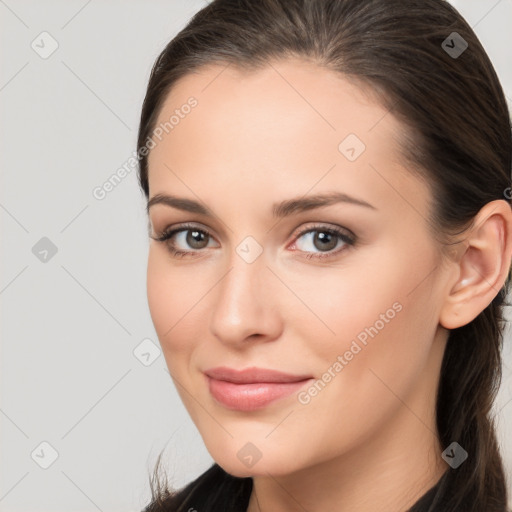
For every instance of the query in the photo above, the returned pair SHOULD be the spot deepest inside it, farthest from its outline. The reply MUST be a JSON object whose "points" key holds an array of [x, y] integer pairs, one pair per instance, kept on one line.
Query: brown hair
{"points": [[457, 138]]}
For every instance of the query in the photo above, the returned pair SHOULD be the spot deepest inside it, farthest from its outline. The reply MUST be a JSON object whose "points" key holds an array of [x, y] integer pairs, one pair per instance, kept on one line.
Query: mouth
{"points": [[252, 388]]}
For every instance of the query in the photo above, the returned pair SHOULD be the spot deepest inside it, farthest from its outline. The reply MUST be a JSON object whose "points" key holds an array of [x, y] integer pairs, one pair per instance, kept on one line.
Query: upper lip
{"points": [[252, 375]]}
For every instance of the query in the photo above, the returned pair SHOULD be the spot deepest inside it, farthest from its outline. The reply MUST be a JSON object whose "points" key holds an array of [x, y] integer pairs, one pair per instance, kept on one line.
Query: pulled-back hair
{"points": [[457, 137]]}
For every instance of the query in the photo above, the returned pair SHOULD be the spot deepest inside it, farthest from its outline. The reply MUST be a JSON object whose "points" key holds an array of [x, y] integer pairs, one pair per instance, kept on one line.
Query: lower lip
{"points": [[250, 397]]}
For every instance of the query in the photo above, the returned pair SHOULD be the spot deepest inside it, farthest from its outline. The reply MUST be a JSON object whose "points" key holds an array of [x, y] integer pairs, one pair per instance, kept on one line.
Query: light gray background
{"points": [[69, 325]]}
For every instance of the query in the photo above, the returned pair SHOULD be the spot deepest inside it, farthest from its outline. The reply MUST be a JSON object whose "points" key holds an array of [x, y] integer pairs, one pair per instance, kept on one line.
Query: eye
{"points": [[325, 239], [188, 235]]}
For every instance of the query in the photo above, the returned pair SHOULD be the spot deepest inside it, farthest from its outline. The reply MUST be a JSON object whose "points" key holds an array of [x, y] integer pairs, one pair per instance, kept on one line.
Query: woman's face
{"points": [[269, 283]]}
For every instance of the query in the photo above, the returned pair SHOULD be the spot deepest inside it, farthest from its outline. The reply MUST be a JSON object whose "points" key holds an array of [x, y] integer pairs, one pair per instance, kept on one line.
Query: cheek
{"points": [[160, 301], [344, 303], [170, 296], [379, 319], [178, 303], [386, 294], [384, 335]]}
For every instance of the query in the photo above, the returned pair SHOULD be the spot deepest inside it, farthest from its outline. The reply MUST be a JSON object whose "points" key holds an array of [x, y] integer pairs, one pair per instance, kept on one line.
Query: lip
{"points": [[252, 388], [253, 375]]}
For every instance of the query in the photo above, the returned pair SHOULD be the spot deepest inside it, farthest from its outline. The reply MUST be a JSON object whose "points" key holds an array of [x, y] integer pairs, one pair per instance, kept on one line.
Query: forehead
{"points": [[294, 94], [281, 127]]}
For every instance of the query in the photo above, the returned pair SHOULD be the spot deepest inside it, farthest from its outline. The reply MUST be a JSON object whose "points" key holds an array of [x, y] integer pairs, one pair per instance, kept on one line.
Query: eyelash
{"points": [[349, 240]]}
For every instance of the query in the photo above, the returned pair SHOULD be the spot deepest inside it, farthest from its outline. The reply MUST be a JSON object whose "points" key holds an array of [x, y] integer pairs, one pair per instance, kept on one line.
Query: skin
{"points": [[367, 440]]}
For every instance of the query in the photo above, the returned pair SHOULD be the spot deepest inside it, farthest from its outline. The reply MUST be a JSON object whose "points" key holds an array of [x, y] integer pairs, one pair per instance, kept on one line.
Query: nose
{"points": [[245, 304]]}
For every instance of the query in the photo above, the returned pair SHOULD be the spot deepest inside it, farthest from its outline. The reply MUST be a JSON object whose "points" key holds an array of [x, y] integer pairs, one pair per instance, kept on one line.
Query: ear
{"points": [[482, 268]]}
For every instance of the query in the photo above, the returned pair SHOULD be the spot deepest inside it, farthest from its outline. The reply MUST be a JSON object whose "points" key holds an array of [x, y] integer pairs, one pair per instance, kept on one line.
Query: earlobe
{"points": [[482, 268]]}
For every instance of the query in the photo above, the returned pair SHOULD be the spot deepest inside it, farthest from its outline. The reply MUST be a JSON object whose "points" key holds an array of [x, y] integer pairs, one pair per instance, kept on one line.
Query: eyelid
{"points": [[325, 226], [174, 230]]}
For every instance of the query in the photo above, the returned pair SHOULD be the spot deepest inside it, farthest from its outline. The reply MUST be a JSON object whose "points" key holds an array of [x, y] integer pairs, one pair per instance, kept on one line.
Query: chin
{"points": [[240, 465]]}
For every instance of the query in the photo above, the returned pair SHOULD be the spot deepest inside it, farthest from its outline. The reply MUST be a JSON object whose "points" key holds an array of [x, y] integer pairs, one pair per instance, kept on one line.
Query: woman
{"points": [[329, 211]]}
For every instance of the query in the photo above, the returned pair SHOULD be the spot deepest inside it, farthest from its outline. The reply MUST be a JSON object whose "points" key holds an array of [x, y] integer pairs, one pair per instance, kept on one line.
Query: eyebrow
{"points": [[279, 210]]}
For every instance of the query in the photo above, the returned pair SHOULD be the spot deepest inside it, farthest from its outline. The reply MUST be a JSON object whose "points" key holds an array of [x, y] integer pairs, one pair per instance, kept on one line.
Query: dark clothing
{"points": [[429, 502]]}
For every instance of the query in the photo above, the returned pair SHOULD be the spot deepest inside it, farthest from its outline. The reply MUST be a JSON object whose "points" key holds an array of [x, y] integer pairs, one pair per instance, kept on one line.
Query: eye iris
{"points": [[325, 237], [195, 237]]}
